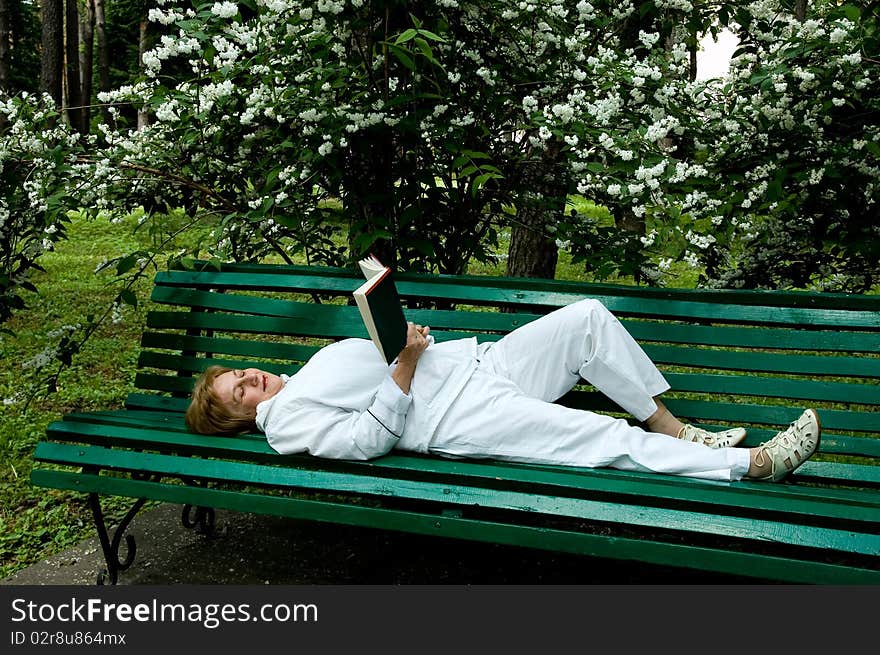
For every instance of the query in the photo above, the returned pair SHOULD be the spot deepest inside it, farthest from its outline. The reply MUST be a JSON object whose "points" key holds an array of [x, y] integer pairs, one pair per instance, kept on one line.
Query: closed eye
{"points": [[238, 391]]}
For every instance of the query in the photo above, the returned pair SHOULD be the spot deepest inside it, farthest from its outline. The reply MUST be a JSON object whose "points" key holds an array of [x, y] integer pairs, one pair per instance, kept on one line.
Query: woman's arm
{"points": [[338, 433], [416, 343]]}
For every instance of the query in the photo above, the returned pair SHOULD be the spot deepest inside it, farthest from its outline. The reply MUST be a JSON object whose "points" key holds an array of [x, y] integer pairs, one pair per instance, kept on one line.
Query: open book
{"points": [[380, 308]]}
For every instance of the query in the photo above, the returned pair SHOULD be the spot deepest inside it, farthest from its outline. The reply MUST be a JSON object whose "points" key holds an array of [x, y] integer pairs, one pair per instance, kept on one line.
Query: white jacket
{"points": [[343, 403]]}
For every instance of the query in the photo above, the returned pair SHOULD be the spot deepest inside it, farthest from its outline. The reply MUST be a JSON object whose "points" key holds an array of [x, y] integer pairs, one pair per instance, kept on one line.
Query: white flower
{"points": [[224, 9], [648, 40], [837, 35], [564, 112]]}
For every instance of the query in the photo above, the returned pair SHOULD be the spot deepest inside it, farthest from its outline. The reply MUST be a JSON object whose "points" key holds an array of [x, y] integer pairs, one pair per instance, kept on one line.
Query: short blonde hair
{"points": [[208, 414]]}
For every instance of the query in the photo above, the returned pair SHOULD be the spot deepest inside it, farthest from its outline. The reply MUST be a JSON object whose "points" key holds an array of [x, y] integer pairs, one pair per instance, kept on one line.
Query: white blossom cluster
{"points": [[276, 104]]}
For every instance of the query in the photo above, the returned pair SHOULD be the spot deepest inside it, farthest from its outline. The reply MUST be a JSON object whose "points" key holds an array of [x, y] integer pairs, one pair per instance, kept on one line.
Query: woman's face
{"points": [[242, 390]]}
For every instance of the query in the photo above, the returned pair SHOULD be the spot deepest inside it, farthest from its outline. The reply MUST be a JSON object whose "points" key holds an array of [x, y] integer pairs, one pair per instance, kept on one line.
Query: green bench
{"points": [[732, 357]]}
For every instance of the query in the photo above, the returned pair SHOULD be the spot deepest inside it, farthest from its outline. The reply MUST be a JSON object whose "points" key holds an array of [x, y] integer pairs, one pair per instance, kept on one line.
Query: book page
{"points": [[371, 267]]}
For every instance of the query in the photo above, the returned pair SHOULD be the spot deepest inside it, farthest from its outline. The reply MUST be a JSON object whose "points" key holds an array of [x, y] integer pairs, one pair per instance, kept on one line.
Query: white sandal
{"points": [[725, 439], [791, 447]]}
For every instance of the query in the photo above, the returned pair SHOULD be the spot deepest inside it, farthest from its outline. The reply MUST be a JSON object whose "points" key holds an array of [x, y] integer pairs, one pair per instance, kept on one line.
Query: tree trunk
{"points": [[73, 84], [87, 40], [52, 44], [143, 116], [533, 251], [367, 179], [800, 10], [103, 55], [5, 40]]}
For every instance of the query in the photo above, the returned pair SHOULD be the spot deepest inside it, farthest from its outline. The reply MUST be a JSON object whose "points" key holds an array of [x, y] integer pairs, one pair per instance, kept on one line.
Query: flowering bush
{"points": [[416, 129], [37, 152], [794, 149]]}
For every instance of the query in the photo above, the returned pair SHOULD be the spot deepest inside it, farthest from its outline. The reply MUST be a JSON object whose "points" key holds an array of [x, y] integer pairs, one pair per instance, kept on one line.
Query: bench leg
{"points": [[203, 520], [110, 545]]}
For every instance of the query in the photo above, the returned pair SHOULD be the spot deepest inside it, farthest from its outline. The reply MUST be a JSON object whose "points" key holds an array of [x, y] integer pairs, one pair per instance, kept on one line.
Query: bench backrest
{"points": [[732, 357]]}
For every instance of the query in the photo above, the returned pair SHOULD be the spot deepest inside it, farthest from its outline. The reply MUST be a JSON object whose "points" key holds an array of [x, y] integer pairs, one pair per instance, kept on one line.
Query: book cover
{"points": [[380, 308]]}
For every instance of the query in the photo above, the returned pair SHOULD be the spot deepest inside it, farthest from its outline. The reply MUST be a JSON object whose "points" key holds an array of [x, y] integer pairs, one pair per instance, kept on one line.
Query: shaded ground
{"points": [[256, 549]]}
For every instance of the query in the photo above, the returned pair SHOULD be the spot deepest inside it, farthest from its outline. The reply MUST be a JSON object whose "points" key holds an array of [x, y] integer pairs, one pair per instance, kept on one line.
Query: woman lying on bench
{"points": [[491, 400]]}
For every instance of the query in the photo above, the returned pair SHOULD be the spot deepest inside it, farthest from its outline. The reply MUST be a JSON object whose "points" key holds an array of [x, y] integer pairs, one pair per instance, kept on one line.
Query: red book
{"points": [[379, 304]]}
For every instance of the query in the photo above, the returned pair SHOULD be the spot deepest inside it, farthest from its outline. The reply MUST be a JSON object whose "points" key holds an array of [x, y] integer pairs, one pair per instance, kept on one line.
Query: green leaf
{"points": [[480, 180], [424, 246], [128, 297], [405, 36], [851, 12], [426, 51], [473, 154], [272, 178], [430, 35], [403, 56], [125, 264]]}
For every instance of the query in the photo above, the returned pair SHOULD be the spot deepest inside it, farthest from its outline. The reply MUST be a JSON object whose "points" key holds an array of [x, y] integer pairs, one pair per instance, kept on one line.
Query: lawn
{"points": [[35, 523]]}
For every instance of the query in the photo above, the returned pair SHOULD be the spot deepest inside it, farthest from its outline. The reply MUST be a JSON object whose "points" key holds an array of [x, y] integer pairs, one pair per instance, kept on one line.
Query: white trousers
{"points": [[506, 410]]}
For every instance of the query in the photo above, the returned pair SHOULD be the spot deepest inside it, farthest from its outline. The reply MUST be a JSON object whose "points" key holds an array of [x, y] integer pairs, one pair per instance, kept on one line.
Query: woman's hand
{"points": [[416, 342]]}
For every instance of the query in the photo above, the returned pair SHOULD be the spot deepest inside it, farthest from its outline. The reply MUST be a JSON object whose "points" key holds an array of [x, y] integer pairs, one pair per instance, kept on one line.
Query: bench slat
{"points": [[775, 387], [758, 362], [623, 305], [765, 362], [322, 275], [704, 383], [811, 501], [197, 364], [156, 402], [783, 530], [818, 471], [652, 552], [332, 321], [735, 413], [273, 350]]}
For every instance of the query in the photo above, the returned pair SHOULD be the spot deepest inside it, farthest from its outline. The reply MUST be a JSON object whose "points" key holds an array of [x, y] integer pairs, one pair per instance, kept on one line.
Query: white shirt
{"points": [[343, 404]]}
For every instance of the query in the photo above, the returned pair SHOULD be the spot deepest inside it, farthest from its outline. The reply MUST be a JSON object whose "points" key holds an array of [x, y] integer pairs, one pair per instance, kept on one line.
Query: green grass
{"points": [[36, 523]]}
